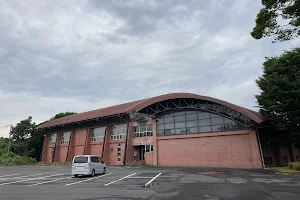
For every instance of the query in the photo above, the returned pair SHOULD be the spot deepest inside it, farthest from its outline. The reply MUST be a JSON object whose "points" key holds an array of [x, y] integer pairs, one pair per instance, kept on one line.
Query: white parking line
{"points": [[87, 179], [119, 179], [138, 177], [152, 179], [40, 183], [30, 179], [9, 175], [19, 177], [30, 175]]}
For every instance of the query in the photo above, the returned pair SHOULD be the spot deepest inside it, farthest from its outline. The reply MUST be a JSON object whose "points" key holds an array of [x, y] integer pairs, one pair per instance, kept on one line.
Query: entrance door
{"points": [[142, 152]]}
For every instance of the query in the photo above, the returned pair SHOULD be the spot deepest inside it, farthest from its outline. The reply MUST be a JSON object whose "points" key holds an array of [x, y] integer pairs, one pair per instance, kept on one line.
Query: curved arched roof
{"points": [[137, 106]]}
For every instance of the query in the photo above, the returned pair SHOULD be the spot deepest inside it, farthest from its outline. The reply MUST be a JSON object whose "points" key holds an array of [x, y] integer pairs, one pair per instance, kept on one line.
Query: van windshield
{"points": [[82, 159]]}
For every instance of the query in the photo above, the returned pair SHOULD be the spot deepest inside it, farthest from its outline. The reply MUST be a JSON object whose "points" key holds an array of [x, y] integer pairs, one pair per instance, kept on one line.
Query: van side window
{"points": [[100, 160], [94, 159]]}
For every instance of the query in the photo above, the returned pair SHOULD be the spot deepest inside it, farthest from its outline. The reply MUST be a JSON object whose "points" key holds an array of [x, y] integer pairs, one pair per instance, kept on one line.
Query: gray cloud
{"points": [[77, 56]]}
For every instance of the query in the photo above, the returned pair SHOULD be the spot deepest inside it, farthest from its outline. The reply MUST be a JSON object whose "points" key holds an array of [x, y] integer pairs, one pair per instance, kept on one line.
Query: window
{"points": [[204, 122], [98, 134], [148, 148], [268, 160], [284, 160], [52, 139], [118, 132], [119, 152], [143, 131], [65, 138], [180, 118], [190, 122], [81, 159], [94, 159]]}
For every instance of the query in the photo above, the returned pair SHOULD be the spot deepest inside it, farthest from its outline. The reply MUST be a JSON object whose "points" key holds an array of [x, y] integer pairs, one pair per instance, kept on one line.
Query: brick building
{"points": [[178, 129]]}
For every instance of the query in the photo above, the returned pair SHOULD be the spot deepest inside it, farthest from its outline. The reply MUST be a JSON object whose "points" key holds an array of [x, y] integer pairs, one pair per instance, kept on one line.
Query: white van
{"points": [[88, 165]]}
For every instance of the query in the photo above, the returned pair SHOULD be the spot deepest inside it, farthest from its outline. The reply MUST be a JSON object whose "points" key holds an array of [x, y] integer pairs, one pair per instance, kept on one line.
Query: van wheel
{"points": [[93, 173], [104, 170]]}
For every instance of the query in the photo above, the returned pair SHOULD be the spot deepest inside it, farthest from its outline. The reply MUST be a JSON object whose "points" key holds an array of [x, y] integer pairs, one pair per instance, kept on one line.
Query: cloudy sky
{"points": [[58, 56]]}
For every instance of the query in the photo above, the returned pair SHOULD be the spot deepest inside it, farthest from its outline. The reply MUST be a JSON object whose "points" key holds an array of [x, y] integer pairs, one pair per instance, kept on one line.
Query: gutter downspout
{"points": [[260, 149]]}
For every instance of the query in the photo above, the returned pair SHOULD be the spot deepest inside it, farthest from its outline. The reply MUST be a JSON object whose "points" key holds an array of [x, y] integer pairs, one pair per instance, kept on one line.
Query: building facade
{"points": [[178, 129]]}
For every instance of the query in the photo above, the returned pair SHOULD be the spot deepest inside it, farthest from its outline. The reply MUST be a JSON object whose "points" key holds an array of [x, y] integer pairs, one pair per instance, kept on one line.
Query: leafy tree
{"points": [[278, 17], [279, 100], [3, 145], [61, 114], [27, 140], [23, 130]]}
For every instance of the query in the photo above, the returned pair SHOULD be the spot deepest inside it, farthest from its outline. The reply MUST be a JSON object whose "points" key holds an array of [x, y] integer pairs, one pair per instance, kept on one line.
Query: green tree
{"points": [[27, 140], [279, 100], [23, 129], [61, 114], [3, 145], [280, 18]]}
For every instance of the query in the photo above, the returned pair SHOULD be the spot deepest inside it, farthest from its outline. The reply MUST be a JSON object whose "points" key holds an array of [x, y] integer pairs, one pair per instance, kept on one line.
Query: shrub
{"points": [[296, 166], [9, 159], [291, 164]]}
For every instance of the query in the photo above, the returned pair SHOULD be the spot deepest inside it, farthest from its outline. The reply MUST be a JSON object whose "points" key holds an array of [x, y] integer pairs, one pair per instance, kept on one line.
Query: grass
{"points": [[54, 164], [283, 170]]}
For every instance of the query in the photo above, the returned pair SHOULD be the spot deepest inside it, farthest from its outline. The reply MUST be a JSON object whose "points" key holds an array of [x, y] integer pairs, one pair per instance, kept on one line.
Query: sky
{"points": [[58, 56]]}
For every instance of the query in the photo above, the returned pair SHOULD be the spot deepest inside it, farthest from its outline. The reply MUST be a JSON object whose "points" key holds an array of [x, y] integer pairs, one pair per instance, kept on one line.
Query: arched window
{"points": [[189, 122]]}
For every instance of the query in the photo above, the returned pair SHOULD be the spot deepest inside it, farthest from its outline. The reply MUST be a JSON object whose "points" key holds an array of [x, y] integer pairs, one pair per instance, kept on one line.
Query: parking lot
{"points": [[56, 182]]}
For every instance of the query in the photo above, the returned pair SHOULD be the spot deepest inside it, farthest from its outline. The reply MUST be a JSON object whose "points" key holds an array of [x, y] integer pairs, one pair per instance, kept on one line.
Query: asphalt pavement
{"points": [[56, 182]]}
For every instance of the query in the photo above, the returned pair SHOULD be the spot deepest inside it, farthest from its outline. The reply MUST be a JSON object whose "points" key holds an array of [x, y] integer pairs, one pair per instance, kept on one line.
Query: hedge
{"points": [[9, 159], [296, 166]]}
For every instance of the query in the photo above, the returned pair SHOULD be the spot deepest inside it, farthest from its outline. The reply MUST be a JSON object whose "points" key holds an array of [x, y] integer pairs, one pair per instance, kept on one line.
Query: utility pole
{"points": [[9, 138]]}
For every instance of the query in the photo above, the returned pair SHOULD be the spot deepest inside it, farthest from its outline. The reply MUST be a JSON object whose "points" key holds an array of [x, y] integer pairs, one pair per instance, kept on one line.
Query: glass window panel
{"points": [[203, 115], [192, 130], [159, 121], [169, 119], [190, 112], [214, 115], [169, 115], [217, 128], [117, 126], [191, 124], [160, 133], [228, 121], [217, 121], [180, 131], [160, 127], [191, 117], [148, 148], [180, 125], [230, 127], [180, 118], [241, 127], [204, 129], [204, 122], [151, 147], [179, 113], [149, 127], [142, 128], [169, 132], [117, 131], [169, 126], [135, 129]]}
